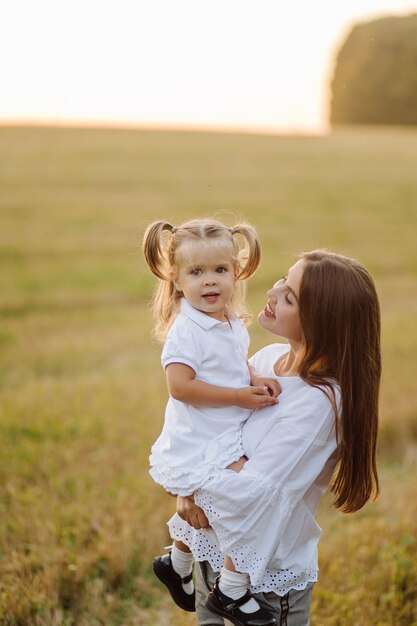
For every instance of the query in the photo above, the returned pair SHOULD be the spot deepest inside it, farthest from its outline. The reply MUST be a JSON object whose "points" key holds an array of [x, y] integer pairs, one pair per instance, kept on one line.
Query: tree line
{"points": [[375, 76]]}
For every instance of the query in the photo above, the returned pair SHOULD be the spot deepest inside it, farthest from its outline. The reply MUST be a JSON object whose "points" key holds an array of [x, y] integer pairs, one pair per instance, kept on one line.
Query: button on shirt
{"points": [[195, 441]]}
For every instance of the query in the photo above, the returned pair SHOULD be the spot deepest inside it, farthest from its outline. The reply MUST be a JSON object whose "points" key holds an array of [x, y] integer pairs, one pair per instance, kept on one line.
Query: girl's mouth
{"points": [[268, 312], [211, 297]]}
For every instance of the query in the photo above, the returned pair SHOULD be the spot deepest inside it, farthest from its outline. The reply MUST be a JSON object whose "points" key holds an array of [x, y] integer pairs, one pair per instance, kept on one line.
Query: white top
{"points": [[197, 441], [263, 517]]}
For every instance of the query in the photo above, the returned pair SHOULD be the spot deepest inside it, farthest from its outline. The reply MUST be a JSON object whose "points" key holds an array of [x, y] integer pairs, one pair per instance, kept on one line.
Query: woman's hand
{"points": [[191, 513], [274, 388], [254, 397]]}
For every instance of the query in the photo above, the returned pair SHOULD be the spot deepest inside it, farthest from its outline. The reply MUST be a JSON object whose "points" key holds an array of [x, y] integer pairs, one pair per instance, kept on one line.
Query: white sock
{"points": [[182, 562], [235, 585]]}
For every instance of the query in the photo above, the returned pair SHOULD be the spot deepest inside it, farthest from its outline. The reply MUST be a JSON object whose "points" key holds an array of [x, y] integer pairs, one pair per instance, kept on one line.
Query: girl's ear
{"points": [[173, 278]]}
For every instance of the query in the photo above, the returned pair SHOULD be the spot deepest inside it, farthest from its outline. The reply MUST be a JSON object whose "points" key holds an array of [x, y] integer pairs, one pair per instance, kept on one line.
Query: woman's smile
{"points": [[268, 312]]}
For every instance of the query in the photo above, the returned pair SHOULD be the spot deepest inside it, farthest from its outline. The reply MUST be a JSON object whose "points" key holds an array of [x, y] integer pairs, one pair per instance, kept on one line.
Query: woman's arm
{"points": [[184, 386], [188, 510], [296, 450]]}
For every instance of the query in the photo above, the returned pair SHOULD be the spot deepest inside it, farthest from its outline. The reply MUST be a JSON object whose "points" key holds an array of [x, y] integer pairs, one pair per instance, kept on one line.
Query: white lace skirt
{"points": [[205, 547], [266, 536]]}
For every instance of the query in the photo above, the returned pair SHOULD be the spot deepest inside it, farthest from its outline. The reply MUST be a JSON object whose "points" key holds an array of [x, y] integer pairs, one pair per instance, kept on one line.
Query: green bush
{"points": [[375, 78]]}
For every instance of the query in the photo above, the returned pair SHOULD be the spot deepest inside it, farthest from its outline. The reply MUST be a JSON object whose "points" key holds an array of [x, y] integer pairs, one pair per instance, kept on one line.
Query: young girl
{"points": [[199, 312]]}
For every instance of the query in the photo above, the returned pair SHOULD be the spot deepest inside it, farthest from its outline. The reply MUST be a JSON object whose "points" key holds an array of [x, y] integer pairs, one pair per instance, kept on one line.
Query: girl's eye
{"points": [[196, 272], [287, 299], [220, 270]]}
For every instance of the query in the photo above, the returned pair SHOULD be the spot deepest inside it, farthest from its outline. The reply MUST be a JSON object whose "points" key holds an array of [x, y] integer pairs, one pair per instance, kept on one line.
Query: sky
{"points": [[235, 64]]}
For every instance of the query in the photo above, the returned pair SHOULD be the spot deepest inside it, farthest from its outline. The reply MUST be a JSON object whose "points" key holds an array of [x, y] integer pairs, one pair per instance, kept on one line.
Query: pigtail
{"points": [[250, 256], [159, 259], [153, 250], [166, 305], [247, 261]]}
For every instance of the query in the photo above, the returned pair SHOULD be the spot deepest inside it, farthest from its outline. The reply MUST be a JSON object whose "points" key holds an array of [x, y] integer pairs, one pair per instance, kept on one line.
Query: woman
{"points": [[262, 513]]}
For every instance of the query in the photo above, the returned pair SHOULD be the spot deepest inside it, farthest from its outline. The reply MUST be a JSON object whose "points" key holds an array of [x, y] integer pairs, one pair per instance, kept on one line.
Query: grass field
{"points": [[81, 388]]}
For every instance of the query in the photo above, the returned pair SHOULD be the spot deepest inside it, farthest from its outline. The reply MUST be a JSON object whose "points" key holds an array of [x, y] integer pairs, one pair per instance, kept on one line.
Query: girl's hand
{"points": [[191, 513], [274, 388], [237, 466], [254, 397]]}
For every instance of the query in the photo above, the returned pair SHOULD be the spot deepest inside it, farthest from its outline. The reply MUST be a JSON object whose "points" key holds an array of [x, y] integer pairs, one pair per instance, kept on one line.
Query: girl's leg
{"points": [[235, 584], [231, 599], [228, 564], [175, 570], [182, 561], [181, 546]]}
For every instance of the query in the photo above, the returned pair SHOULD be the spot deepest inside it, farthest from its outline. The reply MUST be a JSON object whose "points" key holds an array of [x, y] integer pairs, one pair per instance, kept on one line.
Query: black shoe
{"points": [[162, 566], [220, 604]]}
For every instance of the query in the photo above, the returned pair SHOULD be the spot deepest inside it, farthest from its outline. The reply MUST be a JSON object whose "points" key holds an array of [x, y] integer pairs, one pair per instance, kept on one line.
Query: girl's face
{"points": [[206, 276], [281, 314]]}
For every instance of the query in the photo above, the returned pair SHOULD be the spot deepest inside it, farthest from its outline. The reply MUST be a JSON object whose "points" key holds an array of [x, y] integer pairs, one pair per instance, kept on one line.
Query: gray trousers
{"points": [[293, 609]]}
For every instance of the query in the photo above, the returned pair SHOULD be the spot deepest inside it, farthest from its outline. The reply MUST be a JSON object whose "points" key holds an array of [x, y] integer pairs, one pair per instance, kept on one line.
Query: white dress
{"points": [[263, 516], [197, 441]]}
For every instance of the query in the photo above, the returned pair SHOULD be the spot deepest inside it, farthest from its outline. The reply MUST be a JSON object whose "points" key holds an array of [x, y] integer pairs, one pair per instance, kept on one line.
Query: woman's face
{"points": [[281, 314]]}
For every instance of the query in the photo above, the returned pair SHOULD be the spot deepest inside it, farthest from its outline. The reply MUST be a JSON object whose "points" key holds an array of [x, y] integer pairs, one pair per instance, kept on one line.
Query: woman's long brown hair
{"points": [[340, 317]]}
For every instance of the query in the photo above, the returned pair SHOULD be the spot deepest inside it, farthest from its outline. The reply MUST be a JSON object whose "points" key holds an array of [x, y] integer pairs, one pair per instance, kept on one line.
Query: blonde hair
{"points": [[162, 256]]}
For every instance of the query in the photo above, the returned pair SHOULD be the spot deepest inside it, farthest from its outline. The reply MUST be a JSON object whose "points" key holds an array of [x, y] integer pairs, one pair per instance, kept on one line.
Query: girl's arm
{"points": [[237, 466], [184, 386]]}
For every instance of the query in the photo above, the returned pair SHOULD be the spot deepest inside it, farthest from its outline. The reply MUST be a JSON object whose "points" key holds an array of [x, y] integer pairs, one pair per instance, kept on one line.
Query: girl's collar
{"points": [[201, 319]]}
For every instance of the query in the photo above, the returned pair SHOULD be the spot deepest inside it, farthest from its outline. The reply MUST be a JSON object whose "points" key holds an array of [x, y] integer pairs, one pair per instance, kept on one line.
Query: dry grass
{"points": [[82, 392]]}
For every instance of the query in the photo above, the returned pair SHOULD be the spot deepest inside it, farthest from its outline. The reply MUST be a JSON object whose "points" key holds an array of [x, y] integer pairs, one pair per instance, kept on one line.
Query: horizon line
{"points": [[204, 127]]}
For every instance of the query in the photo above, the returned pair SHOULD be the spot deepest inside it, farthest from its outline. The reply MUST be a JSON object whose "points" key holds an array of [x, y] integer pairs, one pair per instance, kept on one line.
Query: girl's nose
{"points": [[210, 281]]}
